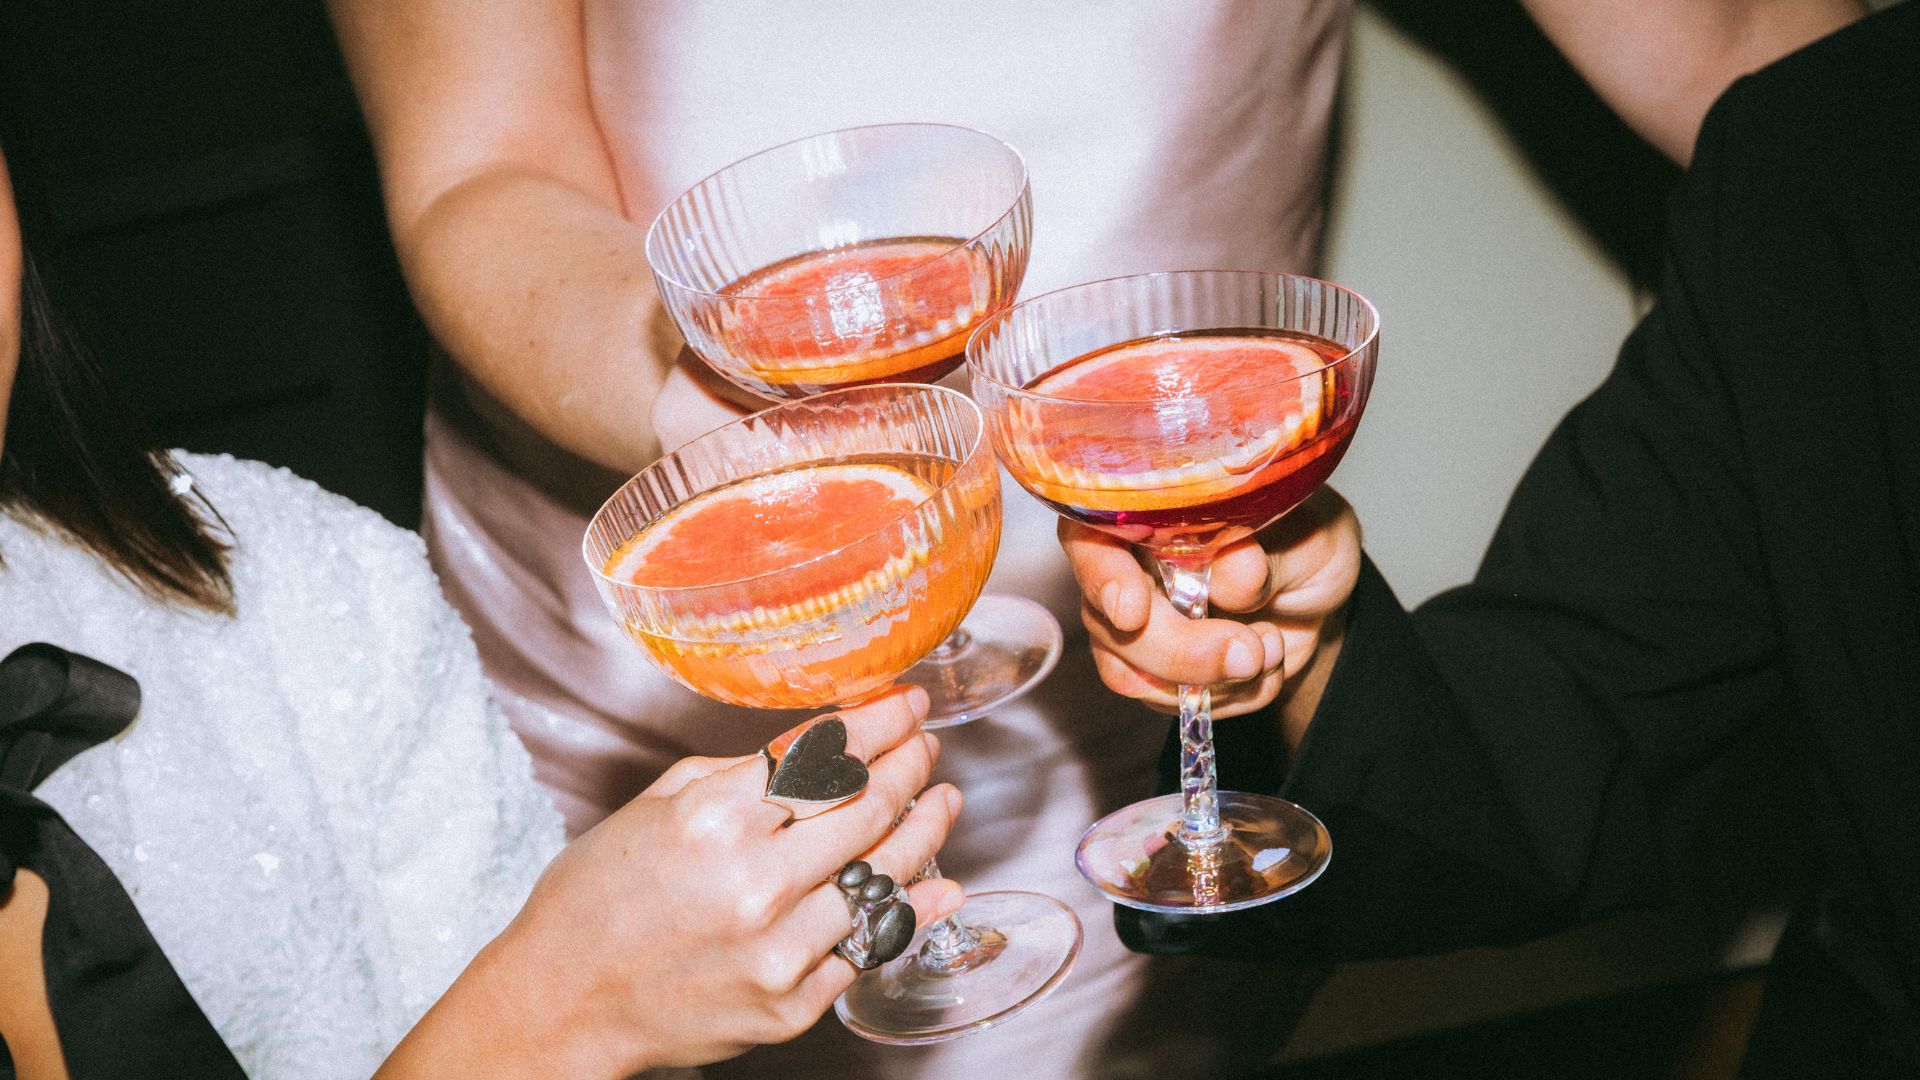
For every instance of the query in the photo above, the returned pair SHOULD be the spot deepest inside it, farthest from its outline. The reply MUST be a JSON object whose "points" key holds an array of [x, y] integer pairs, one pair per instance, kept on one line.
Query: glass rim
{"points": [[975, 447], [976, 367], [654, 228]]}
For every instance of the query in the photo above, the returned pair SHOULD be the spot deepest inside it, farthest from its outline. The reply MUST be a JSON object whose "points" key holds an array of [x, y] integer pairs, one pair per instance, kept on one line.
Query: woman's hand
{"points": [[695, 922], [1282, 592]]}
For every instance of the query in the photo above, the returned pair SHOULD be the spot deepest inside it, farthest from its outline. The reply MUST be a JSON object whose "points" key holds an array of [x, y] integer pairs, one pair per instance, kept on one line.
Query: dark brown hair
{"points": [[78, 460]]}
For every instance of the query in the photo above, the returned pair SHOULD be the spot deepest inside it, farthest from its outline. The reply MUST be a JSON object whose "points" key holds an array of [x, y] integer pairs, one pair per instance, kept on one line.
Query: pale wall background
{"points": [[1497, 312]]}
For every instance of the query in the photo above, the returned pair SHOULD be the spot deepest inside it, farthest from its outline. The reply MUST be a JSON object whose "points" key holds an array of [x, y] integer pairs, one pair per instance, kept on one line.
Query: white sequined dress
{"points": [[318, 811]]}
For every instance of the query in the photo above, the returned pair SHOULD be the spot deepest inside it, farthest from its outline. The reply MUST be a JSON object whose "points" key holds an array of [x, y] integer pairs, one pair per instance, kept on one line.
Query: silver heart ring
{"points": [[808, 769]]}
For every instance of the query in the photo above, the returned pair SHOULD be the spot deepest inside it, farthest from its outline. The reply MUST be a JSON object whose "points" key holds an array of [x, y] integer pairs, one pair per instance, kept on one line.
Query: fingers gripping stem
{"points": [[948, 943]]}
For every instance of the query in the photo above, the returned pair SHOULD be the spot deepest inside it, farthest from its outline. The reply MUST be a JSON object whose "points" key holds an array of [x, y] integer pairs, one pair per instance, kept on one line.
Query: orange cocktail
{"points": [[848, 257], [896, 310], [807, 555]]}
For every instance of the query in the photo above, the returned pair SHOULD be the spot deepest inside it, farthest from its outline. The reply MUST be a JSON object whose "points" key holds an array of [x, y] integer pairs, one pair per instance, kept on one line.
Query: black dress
{"points": [[220, 232], [1727, 529]]}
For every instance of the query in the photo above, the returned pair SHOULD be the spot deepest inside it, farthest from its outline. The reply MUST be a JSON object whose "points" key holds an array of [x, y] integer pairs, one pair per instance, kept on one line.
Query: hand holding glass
{"points": [[1182, 412], [807, 556]]}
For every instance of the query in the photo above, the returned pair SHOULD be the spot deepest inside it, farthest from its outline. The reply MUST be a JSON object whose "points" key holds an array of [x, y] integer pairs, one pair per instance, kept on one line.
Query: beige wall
{"points": [[1496, 312]]}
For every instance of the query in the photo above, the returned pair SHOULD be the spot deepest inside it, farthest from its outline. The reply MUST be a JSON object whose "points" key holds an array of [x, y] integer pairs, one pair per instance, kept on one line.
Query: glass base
{"points": [[1271, 849], [1004, 648], [1028, 943]]}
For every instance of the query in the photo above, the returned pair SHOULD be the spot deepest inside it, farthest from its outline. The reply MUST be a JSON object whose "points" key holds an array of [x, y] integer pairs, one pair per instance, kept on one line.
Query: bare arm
{"points": [[1661, 63], [506, 212], [26, 1019]]}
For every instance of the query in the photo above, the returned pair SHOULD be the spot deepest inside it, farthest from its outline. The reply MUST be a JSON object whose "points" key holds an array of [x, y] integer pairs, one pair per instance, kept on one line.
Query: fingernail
{"points": [[1241, 663], [954, 801], [917, 699], [1274, 646], [1109, 597]]}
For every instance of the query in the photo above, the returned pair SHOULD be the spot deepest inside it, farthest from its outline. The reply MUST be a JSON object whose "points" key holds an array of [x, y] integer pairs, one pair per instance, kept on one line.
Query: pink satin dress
{"points": [[1157, 137]]}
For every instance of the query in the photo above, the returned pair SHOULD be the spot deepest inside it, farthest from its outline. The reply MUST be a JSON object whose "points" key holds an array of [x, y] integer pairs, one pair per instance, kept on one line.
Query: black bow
{"points": [[54, 704], [117, 1003]]}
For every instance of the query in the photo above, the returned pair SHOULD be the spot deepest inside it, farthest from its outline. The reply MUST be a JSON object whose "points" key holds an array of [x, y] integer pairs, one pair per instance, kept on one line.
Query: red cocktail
{"points": [[1118, 469], [1182, 412]]}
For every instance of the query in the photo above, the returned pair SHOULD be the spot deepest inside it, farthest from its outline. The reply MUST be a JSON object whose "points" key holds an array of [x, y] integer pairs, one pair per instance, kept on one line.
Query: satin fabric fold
{"points": [[119, 1006]]}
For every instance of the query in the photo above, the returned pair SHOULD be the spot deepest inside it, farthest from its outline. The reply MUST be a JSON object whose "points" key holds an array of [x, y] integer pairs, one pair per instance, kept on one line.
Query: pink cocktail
{"points": [[1182, 412], [850, 257]]}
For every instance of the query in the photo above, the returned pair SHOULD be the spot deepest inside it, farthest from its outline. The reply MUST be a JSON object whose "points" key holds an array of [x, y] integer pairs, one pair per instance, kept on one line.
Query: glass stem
{"points": [[1185, 579], [951, 648], [948, 943]]}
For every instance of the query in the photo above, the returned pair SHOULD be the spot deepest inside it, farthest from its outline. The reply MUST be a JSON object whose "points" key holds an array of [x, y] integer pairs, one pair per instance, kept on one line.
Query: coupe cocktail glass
{"points": [[1181, 412], [834, 602], [860, 256]]}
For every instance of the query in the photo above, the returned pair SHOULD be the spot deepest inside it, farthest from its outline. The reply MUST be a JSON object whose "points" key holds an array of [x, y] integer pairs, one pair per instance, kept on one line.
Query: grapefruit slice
{"points": [[1194, 419], [786, 527], [826, 317]]}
